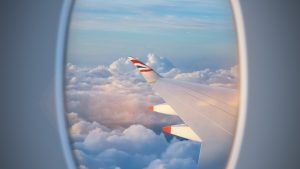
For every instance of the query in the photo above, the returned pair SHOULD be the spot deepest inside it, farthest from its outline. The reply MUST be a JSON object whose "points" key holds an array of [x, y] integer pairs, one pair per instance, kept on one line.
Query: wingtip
{"points": [[167, 129], [130, 57], [134, 60]]}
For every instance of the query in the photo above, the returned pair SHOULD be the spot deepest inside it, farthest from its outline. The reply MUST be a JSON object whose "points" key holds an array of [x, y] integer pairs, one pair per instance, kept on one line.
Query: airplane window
{"points": [[151, 84]]}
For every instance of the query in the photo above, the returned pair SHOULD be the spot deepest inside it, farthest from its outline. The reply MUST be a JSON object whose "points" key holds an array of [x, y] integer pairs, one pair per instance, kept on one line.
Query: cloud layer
{"points": [[117, 95], [109, 15], [136, 147], [112, 127]]}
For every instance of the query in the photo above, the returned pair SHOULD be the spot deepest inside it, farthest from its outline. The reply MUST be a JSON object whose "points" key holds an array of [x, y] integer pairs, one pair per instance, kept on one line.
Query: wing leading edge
{"points": [[208, 112]]}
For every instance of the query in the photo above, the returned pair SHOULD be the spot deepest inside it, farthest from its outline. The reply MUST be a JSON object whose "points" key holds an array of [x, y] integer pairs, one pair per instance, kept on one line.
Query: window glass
{"points": [[149, 84]]}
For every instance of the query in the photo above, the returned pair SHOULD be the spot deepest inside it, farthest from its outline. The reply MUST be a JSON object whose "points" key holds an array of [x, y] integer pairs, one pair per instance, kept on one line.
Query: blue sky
{"points": [[193, 34]]}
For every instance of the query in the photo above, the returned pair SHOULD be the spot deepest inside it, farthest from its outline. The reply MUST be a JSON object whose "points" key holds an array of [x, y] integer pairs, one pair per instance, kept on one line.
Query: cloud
{"points": [[109, 15], [132, 140], [134, 147], [138, 24], [82, 167], [221, 77], [117, 95], [177, 156], [172, 164], [121, 66], [159, 64], [110, 124]]}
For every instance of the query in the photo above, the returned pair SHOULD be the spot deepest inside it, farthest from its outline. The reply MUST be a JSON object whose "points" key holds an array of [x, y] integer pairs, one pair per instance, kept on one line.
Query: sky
{"points": [[193, 34], [107, 99]]}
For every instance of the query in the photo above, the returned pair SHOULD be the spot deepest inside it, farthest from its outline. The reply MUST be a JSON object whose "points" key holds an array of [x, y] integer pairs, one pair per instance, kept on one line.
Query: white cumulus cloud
{"points": [[117, 95], [134, 147], [112, 127]]}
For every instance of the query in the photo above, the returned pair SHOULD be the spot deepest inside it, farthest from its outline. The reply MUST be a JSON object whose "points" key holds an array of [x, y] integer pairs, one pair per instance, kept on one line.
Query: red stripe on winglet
{"points": [[146, 70], [167, 129], [136, 61]]}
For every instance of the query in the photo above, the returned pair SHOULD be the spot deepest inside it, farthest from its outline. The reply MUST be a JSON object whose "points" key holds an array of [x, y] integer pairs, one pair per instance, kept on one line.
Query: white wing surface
{"points": [[209, 112]]}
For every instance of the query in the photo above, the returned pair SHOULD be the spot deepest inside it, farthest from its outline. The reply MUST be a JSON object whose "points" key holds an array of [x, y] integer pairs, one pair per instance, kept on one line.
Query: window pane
{"points": [[150, 83]]}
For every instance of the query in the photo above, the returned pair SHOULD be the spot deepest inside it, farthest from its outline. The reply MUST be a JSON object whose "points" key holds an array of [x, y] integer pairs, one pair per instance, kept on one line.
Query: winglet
{"points": [[148, 73]]}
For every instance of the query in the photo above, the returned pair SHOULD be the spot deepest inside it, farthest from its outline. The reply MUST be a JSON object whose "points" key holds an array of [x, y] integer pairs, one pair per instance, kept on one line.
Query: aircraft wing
{"points": [[209, 114]]}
